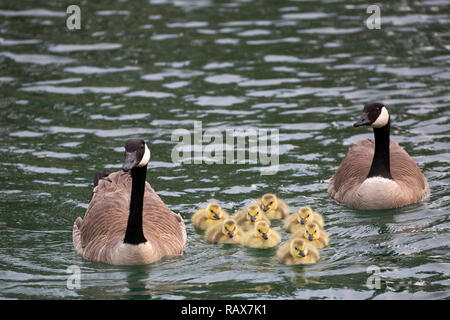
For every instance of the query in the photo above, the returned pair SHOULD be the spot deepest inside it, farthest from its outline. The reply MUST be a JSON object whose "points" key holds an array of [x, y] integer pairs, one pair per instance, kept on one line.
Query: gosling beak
{"points": [[311, 237], [216, 216], [265, 237], [252, 218], [302, 253], [302, 221], [130, 161], [265, 208], [230, 234], [364, 120]]}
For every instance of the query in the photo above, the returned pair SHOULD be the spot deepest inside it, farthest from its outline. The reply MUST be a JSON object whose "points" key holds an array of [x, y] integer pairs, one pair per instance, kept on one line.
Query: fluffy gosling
{"points": [[224, 232], [303, 216], [206, 217], [273, 207], [262, 236]]}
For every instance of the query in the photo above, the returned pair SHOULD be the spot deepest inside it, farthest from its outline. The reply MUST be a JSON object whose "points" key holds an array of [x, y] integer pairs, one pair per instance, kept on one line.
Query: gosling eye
{"points": [[212, 211], [315, 231], [259, 230], [307, 216], [271, 202]]}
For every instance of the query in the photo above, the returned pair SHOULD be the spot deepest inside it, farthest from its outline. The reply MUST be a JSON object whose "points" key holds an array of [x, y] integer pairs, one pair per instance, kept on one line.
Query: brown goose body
{"points": [[372, 178], [100, 235]]}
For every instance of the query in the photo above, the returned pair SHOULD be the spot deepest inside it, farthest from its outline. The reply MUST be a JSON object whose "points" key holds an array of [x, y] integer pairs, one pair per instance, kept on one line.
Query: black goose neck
{"points": [[381, 163], [134, 233]]}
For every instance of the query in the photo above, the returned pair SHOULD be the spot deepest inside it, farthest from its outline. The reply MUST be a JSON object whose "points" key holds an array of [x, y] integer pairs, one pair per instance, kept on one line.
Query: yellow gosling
{"points": [[313, 234], [274, 208], [303, 216], [246, 219], [225, 232], [298, 251], [209, 216], [262, 236]]}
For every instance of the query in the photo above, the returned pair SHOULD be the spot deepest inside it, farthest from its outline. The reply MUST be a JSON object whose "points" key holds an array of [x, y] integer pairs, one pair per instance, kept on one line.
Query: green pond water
{"points": [[69, 100]]}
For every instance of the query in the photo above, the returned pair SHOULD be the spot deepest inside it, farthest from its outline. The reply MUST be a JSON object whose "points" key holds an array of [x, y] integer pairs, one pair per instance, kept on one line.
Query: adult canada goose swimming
{"points": [[126, 222], [377, 174]]}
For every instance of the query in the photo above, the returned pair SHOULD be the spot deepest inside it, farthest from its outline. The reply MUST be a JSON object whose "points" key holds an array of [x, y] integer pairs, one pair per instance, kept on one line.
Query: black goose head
{"points": [[137, 154], [374, 114]]}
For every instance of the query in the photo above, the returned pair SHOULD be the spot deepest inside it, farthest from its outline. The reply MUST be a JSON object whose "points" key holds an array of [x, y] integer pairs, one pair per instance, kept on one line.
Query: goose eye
{"points": [[271, 202], [212, 210], [315, 231]]}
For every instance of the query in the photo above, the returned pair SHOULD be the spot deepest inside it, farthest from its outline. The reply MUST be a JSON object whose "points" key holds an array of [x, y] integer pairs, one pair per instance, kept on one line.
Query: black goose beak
{"points": [[230, 234], [302, 253], [265, 208], [302, 221], [364, 120], [265, 237], [252, 218], [216, 216], [311, 237], [130, 161]]}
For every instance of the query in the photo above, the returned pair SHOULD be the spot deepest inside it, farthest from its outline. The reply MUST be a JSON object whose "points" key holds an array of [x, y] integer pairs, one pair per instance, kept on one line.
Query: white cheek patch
{"points": [[382, 119], [146, 158]]}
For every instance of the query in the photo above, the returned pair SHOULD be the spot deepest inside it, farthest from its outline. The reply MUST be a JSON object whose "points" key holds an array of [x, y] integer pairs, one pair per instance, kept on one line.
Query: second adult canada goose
{"points": [[377, 174], [126, 222]]}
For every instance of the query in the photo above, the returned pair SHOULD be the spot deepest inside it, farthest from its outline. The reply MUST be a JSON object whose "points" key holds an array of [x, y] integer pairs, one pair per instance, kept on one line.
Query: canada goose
{"points": [[206, 217], [303, 216], [273, 207], [226, 231], [313, 234], [262, 236], [246, 219], [126, 222], [380, 174], [298, 251]]}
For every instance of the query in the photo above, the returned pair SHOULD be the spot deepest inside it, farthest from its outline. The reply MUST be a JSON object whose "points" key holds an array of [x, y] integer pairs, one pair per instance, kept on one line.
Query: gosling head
{"points": [[213, 211], [374, 114], [298, 248], [269, 202], [229, 228], [137, 154], [312, 232], [263, 229], [253, 213], [305, 215]]}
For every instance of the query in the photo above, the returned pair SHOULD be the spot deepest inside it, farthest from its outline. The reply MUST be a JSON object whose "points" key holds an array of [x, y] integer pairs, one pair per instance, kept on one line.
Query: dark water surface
{"points": [[69, 100]]}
